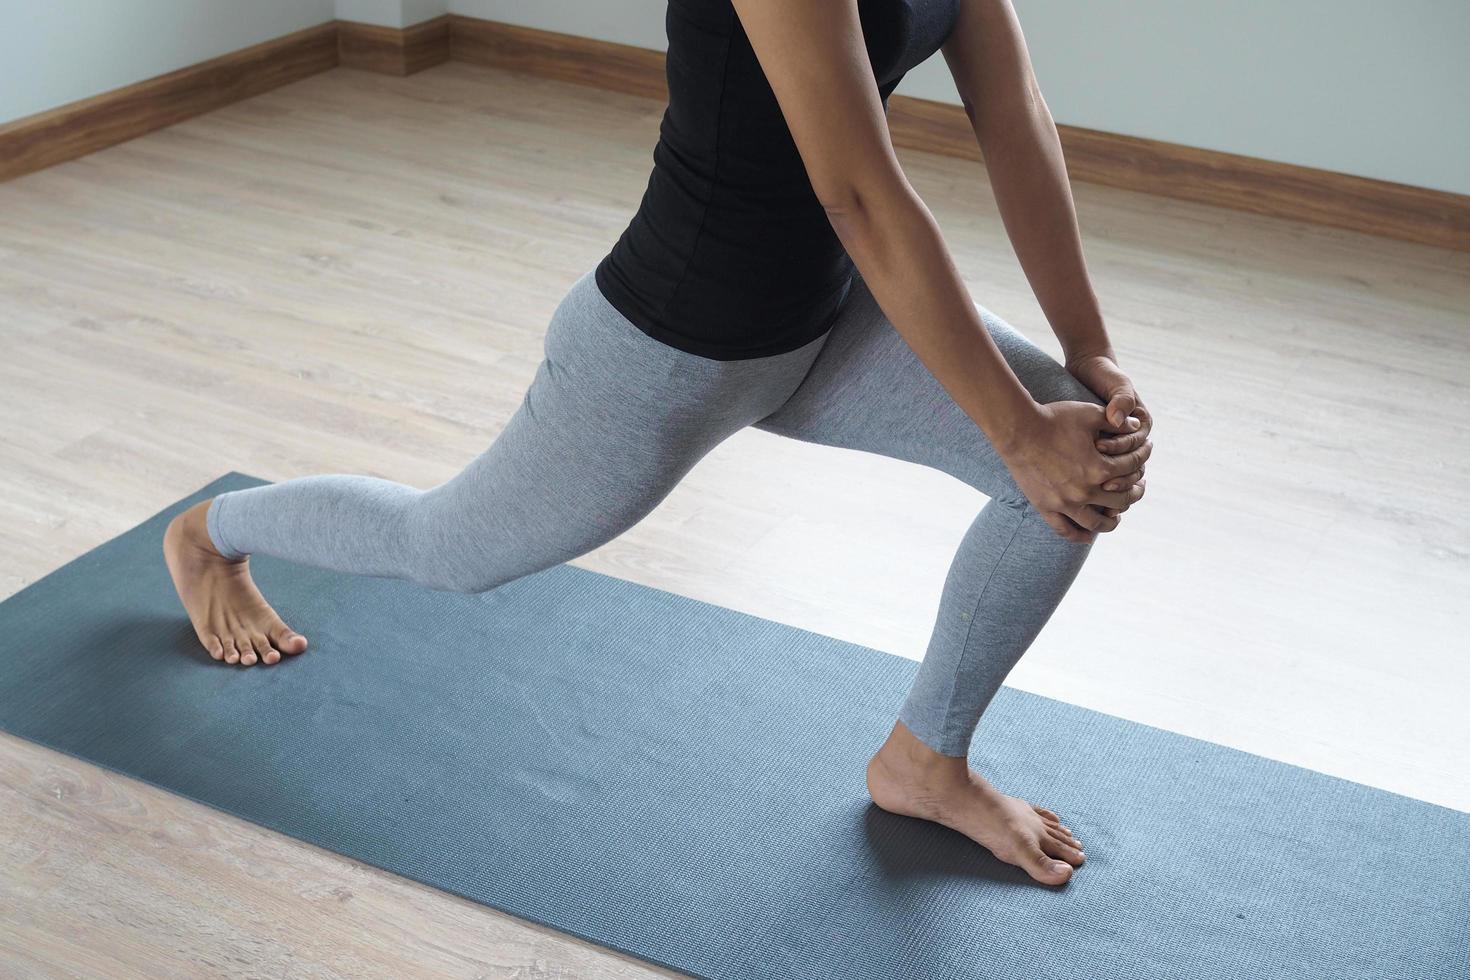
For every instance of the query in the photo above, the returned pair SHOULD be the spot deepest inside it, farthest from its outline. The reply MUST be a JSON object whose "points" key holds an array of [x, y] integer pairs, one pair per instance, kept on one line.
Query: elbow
{"points": [[849, 214], [844, 203], [853, 211]]}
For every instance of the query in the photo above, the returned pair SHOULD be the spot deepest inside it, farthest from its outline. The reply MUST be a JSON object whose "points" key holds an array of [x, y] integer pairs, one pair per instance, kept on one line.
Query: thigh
{"points": [[611, 422], [609, 425], [867, 390]]}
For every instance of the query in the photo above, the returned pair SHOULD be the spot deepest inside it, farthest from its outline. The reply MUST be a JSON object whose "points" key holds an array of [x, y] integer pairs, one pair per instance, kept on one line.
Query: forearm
{"points": [[1028, 176], [897, 247]]}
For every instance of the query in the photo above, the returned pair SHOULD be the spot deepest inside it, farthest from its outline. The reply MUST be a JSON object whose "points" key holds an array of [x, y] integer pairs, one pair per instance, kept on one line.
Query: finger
{"points": [[1146, 420], [1125, 481], [1093, 520], [1125, 425], [1119, 501], [1065, 529], [1105, 500], [1120, 406], [1116, 466], [1113, 445]]}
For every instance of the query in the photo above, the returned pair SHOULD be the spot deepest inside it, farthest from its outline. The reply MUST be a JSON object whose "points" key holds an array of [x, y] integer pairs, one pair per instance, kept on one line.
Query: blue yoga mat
{"points": [[684, 783]]}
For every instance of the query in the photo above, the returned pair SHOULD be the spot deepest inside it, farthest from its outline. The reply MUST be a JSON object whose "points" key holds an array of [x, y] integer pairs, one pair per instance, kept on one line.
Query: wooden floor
{"points": [[354, 273]]}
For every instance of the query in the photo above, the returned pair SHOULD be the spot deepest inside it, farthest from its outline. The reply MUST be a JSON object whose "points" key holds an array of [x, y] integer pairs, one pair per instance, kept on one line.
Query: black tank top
{"points": [[730, 254]]}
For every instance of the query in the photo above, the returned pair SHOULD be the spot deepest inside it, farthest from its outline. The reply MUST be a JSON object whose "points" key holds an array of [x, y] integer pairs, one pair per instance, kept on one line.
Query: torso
{"points": [[730, 254]]}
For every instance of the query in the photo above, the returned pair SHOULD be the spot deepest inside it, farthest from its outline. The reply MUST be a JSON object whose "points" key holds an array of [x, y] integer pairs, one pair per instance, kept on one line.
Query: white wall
{"points": [[1364, 87], [1359, 86], [57, 51], [391, 13]]}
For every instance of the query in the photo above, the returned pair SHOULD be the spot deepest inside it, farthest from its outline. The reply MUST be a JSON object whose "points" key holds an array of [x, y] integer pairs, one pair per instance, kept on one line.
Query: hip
{"points": [[614, 362]]}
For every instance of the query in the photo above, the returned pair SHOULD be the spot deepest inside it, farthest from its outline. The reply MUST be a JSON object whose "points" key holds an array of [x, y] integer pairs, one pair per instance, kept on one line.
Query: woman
{"points": [[780, 272]]}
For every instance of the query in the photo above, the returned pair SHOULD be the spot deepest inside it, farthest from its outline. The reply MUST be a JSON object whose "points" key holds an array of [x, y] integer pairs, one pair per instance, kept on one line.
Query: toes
{"points": [[246, 646], [1058, 848], [1067, 841], [1044, 868], [213, 645], [1057, 830], [285, 639], [232, 655], [265, 649], [263, 652], [1047, 815]]}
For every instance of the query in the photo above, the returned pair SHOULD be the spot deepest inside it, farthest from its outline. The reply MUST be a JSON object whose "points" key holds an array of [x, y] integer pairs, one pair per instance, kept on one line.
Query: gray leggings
{"points": [[614, 420]]}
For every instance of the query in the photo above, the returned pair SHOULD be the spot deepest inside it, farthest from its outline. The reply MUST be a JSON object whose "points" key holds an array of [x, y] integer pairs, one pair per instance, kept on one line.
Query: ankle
{"points": [[903, 754], [193, 530]]}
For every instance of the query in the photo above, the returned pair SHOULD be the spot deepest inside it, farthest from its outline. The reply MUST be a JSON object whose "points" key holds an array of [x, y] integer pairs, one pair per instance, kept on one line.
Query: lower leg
{"points": [[460, 536], [867, 390], [340, 522], [1007, 578]]}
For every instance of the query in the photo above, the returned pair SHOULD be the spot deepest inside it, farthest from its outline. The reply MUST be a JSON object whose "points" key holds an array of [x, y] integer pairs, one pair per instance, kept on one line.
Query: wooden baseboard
{"points": [[83, 127], [1378, 207], [1280, 190], [393, 50]]}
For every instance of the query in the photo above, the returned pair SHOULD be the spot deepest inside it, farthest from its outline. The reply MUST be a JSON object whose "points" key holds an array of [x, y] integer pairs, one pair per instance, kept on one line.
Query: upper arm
{"points": [[986, 53], [813, 55]]}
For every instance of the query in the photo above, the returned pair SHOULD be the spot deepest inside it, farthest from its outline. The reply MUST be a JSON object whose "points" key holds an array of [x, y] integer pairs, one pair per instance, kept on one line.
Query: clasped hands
{"points": [[1081, 465]]}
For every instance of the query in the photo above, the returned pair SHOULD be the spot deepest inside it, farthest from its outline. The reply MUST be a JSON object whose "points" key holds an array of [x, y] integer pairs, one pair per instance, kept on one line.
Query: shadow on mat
{"points": [[149, 638], [908, 848]]}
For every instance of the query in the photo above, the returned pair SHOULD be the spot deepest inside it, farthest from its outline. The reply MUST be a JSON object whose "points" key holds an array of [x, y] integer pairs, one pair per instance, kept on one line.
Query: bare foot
{"points": [[230, 616], [908, 777]]}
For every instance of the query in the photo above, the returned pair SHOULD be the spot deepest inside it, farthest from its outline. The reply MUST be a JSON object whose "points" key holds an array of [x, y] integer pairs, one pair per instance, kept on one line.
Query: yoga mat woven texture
{"points": [[684, 782]]}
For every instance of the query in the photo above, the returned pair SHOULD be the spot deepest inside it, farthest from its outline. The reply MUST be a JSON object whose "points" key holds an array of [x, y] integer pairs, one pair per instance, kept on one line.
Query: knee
{"points": [[1052, 382], [1046, 378], [449, 548], [471, 560], [470, 554]]}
